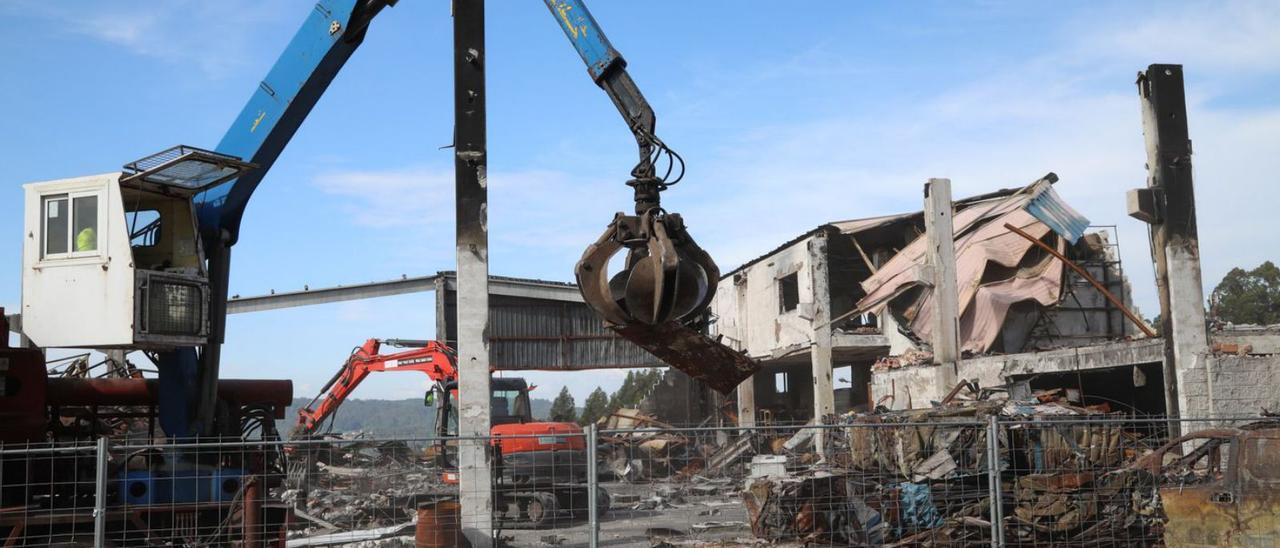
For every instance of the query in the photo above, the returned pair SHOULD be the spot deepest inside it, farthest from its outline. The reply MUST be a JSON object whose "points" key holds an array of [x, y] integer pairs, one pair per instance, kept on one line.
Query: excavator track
{"points": [[547, 506]]}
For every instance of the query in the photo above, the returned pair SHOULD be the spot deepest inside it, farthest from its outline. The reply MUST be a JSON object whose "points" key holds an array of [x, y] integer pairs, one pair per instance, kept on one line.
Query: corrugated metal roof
{"points": [[1049, 208]]}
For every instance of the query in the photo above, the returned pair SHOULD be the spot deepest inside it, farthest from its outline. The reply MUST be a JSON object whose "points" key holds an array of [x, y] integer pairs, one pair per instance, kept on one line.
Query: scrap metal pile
{"points": [[1068, 476]]}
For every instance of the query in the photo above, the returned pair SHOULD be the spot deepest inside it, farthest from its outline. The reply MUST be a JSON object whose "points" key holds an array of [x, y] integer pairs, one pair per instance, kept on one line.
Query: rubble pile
{"points": [[922, 476], [636, 446], [360, 485]]}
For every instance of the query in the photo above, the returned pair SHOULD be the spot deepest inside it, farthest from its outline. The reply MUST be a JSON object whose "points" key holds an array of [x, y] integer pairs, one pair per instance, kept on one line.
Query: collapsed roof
{"points": [[995, 268]]}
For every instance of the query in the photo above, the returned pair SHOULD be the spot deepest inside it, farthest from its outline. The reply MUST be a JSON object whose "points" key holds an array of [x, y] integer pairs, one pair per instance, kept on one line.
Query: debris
{"points": [[802, 438], [729, 454], [764, 466], [356, 536], [718, 525]]}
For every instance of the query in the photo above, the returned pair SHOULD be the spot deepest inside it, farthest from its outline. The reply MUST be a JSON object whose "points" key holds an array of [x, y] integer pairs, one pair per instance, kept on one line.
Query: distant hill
{"points": [[387, 418]]}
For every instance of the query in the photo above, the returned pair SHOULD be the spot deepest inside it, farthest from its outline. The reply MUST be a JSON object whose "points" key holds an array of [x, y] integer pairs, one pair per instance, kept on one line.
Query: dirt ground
{"points": [[636, 519]]}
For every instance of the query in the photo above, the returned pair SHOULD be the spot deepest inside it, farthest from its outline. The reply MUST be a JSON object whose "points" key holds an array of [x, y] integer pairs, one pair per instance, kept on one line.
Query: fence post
{"points": [[593, 475], [993, 482], [100, 494]]}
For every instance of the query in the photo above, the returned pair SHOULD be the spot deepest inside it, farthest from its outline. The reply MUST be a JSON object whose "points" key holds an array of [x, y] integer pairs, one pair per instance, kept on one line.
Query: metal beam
{"points": [[325, 295], [498, 285]]}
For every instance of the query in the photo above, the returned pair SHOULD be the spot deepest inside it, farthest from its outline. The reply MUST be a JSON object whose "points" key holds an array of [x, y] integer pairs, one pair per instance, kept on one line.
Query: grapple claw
{"points": [[667, 277]]}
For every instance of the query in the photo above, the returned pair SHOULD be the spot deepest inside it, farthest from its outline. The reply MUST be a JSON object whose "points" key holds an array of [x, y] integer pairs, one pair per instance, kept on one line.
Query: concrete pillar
{"points": [[1168, 203], [442, 321], [471, 184], [824, 399], [940, 261], [117, 366], [747, 402]]}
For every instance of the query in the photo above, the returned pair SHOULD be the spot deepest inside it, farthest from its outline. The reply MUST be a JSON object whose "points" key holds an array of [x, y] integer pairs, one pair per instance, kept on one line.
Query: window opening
{"points": [[144, 227], [789, 292]]}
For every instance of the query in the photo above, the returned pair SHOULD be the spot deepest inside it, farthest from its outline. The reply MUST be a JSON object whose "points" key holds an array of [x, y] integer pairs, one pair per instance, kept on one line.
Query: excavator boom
{"points": [[433, 358]]}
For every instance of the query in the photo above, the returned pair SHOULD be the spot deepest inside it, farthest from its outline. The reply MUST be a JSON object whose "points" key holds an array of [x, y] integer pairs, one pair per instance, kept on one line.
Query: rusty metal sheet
{"points": [[982, 244], [1194, 520], [1240, 506], [692, 352]]}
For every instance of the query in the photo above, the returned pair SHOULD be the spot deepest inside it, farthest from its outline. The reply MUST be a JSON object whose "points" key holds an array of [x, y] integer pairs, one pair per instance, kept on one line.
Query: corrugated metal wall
{"points": [[526, 333]]}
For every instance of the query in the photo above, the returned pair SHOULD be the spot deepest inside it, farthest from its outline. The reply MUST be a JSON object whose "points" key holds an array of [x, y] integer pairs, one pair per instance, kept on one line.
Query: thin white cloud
{"points": [[1222, 37], [415, 196], [213, 37]]}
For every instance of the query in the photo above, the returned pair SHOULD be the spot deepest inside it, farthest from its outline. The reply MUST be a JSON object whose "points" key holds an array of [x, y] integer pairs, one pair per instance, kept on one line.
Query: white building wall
{"points": [[748, 304]]}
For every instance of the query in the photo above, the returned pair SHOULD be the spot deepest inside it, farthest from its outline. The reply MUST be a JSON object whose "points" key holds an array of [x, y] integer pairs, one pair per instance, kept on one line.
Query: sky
{"points": [[787, 119]]}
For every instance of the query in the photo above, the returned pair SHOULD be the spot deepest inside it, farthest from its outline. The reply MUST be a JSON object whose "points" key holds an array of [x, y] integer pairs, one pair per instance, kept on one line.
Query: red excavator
{"points": [[541, 466]]}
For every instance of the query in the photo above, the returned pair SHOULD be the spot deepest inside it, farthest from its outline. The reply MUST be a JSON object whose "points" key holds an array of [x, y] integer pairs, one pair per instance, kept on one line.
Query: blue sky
{"points": [[787, 118]]}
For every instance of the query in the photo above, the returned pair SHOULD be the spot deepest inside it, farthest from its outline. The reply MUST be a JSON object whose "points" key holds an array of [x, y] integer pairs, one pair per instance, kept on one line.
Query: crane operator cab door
{"points": [[114, 260]]}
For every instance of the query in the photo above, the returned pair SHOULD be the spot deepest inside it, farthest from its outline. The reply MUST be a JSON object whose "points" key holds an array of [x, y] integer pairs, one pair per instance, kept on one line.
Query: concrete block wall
{"points": [[1231, 385]]}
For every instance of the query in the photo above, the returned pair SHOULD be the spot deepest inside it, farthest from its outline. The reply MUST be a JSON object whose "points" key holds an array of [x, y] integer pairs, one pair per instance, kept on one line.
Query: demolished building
{"points": [[849, 301], [849, 294]]}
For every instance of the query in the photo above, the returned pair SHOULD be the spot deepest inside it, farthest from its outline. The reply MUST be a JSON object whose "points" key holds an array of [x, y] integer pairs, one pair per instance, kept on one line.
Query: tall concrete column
{"points": [[824, 398], [747, 402], [747, 389], [1168, 204], [940, 261], [470, 165]]}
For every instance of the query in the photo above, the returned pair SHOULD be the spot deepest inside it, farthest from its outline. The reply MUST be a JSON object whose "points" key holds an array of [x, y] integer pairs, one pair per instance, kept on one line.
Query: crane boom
{"points": [[328, 37]]}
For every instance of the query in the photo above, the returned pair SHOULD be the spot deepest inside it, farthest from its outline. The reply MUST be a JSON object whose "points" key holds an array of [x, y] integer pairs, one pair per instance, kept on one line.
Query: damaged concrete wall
{"points": [[1231, 383], [749, 304], [916, 386]]}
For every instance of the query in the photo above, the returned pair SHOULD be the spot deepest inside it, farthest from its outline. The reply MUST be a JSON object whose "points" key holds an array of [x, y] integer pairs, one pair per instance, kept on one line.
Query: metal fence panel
{"points": [[958, 481]]}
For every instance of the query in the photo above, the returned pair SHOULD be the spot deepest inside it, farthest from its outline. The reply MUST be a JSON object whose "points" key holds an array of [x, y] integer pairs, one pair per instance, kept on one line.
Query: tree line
{"points": [[599, 404]]}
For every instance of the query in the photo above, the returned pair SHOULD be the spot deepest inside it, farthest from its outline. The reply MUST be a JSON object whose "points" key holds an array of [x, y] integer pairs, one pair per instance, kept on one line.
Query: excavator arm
{"points": [[430, 357]]}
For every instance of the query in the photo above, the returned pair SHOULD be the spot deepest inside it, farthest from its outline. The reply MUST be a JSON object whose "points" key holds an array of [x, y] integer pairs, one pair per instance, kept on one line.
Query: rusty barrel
{"points": [[439, 525]]}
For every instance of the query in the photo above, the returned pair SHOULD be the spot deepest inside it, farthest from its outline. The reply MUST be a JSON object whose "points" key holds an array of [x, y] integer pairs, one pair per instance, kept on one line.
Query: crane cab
{"points": [[114, 260]]}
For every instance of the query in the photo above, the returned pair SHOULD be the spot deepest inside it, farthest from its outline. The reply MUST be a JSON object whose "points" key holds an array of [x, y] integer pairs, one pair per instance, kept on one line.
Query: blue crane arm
{"points": [[608, 69], [329, 35]]}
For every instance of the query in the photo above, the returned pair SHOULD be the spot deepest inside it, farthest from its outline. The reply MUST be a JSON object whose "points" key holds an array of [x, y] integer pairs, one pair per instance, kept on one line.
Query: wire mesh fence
{"points": [[1134, 482], [875, 480], [47, 493]]}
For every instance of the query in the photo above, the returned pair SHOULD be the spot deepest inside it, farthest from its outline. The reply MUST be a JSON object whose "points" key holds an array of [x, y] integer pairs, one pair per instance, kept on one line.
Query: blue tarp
{"points": [[917, 510]]}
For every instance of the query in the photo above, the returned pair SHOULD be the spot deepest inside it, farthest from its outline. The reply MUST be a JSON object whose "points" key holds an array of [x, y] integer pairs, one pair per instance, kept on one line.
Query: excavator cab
{"points": [[508, 404]]}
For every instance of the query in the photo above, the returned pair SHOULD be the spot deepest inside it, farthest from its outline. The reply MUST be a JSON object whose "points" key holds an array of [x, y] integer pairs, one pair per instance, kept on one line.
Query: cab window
{"points": [[70, 224]]}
